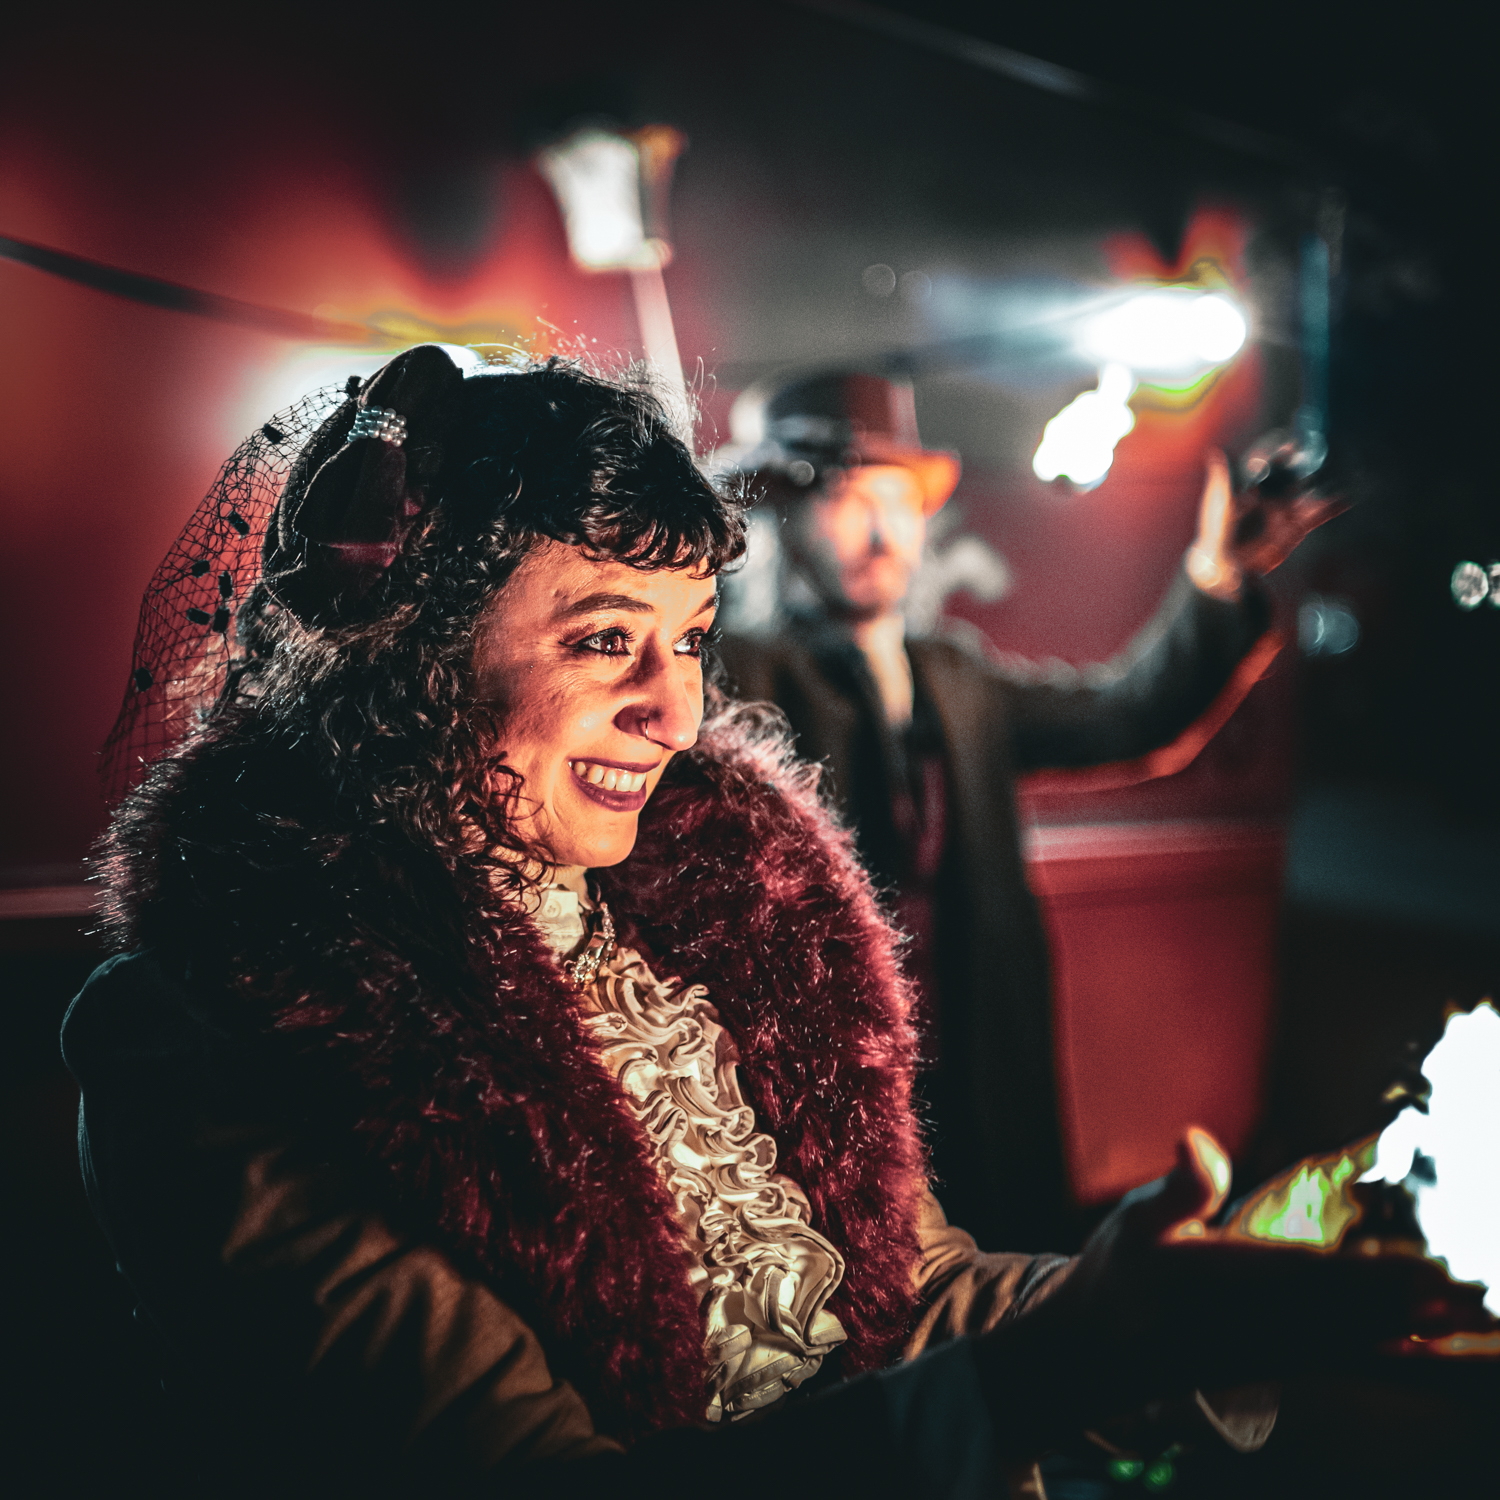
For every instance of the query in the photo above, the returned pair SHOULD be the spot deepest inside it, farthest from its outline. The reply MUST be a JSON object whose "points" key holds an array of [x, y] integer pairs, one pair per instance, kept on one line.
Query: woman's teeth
{"points": [[608, 777]]}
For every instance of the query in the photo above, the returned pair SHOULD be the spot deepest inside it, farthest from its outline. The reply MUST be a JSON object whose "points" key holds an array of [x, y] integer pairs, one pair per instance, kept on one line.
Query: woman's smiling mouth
{"points": [[611, 778], [616, 787]]}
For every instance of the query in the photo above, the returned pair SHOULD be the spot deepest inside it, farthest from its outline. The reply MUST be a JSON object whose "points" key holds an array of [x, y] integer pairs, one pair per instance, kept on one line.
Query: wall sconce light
{"points": [[612, 190]]}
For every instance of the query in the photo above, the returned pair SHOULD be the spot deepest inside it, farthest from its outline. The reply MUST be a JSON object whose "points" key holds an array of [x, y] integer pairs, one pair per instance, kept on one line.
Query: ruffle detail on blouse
{"points": [[763, 1274]]}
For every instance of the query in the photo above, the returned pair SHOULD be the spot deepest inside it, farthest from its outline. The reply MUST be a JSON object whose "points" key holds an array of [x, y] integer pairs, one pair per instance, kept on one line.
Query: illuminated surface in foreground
{"points": [[1449, 1158], [1307, 1209]]}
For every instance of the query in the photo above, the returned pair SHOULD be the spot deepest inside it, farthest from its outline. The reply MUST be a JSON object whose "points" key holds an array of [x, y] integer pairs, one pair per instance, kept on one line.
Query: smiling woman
{"points": [[595, 670], [506, 1070]]}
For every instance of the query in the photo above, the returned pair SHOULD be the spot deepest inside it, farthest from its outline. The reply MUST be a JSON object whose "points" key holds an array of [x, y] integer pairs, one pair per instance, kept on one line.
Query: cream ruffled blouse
{"points": [[762, 1273]]}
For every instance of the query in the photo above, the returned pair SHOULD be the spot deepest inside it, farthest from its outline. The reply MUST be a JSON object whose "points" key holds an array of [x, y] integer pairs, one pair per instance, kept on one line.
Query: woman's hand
{"points": [[1248, 534], [1159, 1304]]}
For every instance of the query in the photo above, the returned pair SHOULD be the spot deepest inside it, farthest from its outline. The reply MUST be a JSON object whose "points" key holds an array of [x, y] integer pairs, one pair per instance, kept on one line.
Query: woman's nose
{"points": [[663, 710]]}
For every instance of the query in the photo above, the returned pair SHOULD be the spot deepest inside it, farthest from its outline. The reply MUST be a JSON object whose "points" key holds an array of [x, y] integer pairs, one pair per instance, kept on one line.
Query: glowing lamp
{"points": [[600, 179], [1166, 334], [597, 178], [1167, 331], [1079, 442]]}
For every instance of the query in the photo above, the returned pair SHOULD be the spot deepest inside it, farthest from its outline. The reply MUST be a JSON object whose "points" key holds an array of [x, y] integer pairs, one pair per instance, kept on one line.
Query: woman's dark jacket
{"points": [[372, 1186]]}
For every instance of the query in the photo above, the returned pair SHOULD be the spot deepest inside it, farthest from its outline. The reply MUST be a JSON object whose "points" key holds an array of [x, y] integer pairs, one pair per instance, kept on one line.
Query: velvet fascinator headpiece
{"points": [[344, 516]]}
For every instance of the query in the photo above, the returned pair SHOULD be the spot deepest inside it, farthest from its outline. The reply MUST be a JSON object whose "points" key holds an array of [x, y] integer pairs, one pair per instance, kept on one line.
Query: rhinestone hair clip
{"points": [[379, 422]]}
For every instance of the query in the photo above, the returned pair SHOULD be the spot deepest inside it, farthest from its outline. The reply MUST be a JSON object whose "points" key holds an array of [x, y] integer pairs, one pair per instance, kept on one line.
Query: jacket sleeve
{"points": [[392, 1327], [965, 1290], [276, 1283], [1144, 697]]}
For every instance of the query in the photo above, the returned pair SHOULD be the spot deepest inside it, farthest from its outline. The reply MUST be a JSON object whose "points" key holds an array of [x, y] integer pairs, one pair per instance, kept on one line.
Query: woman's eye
{"points": [[692, 643], [606, 642]]}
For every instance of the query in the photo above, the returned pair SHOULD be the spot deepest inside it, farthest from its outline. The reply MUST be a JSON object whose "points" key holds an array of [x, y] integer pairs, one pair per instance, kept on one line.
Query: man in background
{"points": [[923, 737]]}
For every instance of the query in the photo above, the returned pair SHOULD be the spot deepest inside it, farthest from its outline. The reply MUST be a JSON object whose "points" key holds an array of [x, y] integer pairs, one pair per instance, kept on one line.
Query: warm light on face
{"points": [[1447, 1158], [863, 540], [595, 671]]}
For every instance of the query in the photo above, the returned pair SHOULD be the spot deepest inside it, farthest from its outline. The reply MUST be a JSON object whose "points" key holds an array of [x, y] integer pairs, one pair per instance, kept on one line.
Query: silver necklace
{"points": [[597, 952]]}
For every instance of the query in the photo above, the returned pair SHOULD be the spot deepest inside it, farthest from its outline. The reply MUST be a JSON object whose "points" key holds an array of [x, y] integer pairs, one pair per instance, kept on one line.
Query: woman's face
{"points": [[595, 669]]}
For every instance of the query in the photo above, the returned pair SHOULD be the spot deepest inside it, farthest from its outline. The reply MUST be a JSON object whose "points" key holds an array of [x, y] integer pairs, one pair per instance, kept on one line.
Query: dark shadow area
{"points": [[1363, 1000], [85, 1414]]}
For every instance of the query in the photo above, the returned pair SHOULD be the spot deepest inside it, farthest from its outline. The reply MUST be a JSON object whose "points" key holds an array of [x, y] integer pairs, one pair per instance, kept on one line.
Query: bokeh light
{"points": [[1079, 442]]}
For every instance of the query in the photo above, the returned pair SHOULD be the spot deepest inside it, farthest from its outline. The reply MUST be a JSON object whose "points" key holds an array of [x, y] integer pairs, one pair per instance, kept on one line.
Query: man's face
{"points": [[861, 541]]}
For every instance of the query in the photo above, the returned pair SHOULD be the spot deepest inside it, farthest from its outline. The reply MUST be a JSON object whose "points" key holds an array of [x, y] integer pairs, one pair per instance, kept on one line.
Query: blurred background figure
{"points": [[923, 736]]}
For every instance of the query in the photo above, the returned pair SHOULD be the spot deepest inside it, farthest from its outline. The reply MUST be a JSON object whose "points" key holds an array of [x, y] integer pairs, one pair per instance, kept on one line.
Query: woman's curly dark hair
{"points": [[385, 705]]}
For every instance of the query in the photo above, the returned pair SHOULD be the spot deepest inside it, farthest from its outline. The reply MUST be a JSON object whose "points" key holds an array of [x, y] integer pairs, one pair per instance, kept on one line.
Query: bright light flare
{"points": [[597, 178], [1168, 331], [1448, 1158], [1079, 442]]}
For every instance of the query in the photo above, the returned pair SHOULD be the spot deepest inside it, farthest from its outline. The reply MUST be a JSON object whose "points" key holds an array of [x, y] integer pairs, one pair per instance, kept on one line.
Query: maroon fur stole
{"points": [[446, 1040]]}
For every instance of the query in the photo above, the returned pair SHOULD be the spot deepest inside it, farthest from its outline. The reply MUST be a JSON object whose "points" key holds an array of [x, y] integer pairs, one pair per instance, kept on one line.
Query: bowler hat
{"points": [[800, 429]]}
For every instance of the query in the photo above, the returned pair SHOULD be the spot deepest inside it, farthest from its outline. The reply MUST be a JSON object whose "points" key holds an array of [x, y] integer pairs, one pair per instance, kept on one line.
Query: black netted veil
{"points": [[187, 639]]}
